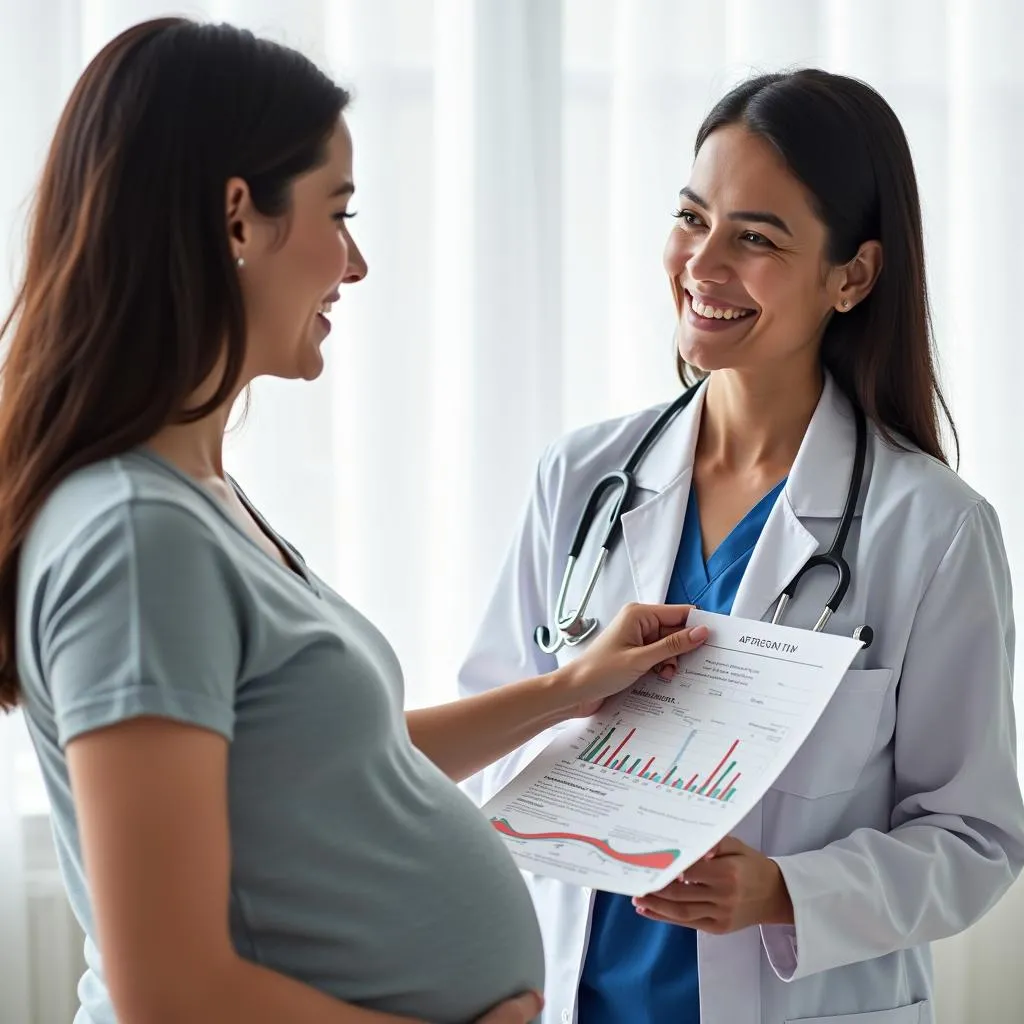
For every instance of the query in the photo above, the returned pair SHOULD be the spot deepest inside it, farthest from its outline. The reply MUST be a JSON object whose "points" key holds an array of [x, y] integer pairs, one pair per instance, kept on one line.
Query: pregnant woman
{"points": [[250, 828]]}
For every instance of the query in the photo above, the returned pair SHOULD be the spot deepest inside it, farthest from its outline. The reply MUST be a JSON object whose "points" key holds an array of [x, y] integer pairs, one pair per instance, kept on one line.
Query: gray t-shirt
{"points": [[358, 867]]}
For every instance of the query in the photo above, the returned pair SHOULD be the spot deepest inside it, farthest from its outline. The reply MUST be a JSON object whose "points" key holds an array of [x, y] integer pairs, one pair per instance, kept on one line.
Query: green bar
{"points": [[728, 796], [716, 792], [592, 750], [635, 763]]}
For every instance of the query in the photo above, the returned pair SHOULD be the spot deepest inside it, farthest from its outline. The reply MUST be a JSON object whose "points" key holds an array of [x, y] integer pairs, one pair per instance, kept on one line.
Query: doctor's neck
{"points": [[754, 419]]}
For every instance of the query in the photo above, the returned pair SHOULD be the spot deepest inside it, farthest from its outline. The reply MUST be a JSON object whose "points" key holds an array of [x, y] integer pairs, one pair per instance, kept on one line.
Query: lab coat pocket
{"points": [[913, 1014], [837, 748]]}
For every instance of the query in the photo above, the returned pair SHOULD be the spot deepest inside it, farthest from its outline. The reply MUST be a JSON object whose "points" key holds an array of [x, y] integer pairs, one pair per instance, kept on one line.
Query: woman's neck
{"points": [[197, 448], [756, 421], [194, 448]]}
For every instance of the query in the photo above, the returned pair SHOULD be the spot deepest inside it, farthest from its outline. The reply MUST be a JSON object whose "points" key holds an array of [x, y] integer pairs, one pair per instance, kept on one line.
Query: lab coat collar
{"points": [[820, 477], [817, 486]]}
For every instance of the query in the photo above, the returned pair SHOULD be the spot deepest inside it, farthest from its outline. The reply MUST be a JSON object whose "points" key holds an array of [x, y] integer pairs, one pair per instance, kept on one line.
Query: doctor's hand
{"points": [[641, 638], [733, 886]]}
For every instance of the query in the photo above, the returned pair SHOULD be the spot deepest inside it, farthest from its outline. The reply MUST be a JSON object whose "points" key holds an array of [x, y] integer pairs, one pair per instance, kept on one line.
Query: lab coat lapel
{"points": [[652, 529], [816, 486], [652, 533], [783, 547]]}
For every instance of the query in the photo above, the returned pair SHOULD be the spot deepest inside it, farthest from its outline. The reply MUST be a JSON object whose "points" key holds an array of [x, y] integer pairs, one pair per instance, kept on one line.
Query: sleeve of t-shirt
{"points": [[140, 615]]}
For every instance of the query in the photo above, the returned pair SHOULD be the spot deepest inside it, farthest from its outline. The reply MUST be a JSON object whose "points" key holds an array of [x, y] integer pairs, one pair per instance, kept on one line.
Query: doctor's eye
{"points": [[688, 217], [340, 218]]}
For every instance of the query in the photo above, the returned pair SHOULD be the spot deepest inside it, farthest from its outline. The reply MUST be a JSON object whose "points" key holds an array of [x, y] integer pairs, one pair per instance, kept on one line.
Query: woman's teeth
{"points": [[717, 313], [325, 308]]}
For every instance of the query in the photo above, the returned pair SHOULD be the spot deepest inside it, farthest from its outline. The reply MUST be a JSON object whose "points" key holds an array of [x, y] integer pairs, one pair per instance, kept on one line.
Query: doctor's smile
{"points": [[710, 314]]}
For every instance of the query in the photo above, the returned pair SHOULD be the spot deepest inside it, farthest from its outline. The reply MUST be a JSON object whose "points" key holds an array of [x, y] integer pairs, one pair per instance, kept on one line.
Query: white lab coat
{"points": [[891, 827]]}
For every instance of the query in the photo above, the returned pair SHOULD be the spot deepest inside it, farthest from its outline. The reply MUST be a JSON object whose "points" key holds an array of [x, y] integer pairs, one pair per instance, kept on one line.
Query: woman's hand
{"points": [[520, 1010], [732, 887], [640, 638]]}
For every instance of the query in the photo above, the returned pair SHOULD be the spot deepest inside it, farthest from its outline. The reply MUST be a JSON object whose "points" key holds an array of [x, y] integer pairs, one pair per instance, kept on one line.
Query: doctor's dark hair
{"points": [[130, 297], [847, 147]]}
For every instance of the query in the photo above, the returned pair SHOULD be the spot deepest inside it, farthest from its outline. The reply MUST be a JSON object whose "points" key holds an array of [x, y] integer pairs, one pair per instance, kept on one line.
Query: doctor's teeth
{"points": [[715, 313]]}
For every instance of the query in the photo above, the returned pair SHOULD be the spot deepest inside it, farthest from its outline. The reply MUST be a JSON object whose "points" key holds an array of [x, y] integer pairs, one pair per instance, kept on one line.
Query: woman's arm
{"points": [[466, 735], [151, 798]]}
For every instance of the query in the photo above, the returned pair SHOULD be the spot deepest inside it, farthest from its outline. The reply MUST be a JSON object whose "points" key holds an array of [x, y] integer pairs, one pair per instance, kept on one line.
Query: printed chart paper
{"points": [[628, 799]]}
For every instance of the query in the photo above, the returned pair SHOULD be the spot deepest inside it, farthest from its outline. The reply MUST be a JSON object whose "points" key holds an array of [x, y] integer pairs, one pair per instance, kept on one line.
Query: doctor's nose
{"points": [[707, 264]]}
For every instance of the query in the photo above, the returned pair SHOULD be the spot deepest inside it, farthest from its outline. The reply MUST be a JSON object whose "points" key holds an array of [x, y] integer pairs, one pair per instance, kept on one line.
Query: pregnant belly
{"points": [[427, 917], [471, 922]]}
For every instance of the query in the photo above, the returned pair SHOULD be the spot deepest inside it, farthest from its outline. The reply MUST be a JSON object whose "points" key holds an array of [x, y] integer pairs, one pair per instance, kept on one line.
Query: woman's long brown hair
{"points": [[130, 298]]}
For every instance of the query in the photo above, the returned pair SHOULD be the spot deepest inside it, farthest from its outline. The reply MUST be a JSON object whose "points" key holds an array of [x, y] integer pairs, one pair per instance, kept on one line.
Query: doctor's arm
{"points": [[956, 840]]}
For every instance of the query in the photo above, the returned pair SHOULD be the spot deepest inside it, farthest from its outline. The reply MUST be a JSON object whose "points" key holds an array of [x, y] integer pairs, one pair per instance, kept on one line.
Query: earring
{"points": [[240, 262], [846, 303]]}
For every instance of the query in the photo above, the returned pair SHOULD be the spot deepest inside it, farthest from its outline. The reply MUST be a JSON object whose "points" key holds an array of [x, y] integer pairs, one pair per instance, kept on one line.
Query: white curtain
{"points": [[516, 165]]}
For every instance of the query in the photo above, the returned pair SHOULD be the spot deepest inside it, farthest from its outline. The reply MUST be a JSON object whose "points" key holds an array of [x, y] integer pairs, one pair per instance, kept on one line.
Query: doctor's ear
{"points": [[854, 280]]}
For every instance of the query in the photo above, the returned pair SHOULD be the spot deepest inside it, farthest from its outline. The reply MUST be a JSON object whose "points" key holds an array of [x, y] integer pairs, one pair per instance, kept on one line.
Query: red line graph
{"points": [[656, 859]]}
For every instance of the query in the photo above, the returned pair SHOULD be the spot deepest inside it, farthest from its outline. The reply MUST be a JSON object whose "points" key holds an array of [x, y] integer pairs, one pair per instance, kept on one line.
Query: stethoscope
{"points": [[573, 627]]}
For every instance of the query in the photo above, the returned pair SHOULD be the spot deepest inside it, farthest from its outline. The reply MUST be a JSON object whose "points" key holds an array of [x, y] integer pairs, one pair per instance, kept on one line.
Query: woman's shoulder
{"points": [[124, 494]]}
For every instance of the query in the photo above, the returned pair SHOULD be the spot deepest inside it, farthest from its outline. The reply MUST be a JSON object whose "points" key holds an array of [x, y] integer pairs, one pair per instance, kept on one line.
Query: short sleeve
{"points": [[141, 615]]}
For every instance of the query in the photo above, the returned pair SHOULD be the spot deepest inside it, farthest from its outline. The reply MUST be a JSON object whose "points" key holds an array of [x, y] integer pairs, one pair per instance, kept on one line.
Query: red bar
{"points": [[623, 743], [599, 756], [724, 786], [735, 744], [643, 771], [664, 781], [732, 785], [690, 783]]}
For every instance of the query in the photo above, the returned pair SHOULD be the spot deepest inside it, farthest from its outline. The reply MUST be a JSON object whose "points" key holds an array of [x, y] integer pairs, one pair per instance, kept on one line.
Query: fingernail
{"points": [[699, 634]]}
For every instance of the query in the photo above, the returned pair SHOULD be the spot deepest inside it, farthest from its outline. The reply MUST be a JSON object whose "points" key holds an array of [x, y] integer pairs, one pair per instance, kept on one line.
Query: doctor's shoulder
{"points": [[579, 458], [923, 496]]}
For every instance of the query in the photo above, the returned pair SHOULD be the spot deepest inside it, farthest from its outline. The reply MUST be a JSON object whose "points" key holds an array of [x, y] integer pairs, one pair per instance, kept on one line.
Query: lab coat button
{"points": [[566, 1017]]}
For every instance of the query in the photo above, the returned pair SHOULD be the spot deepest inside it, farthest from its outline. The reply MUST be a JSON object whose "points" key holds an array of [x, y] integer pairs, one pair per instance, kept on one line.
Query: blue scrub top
{"points": [[639, 970]]}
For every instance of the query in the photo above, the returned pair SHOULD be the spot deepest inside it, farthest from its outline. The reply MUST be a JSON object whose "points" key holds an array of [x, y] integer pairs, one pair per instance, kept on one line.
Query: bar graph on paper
{"points": [[621, 750]]}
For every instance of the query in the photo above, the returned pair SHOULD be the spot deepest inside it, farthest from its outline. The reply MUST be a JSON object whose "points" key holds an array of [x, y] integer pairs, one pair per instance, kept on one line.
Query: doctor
{"points": [[797, 270]]}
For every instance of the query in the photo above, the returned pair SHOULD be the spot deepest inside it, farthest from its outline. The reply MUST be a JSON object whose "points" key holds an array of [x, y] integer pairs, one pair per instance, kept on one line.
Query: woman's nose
{"points": [[356, 268]]}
